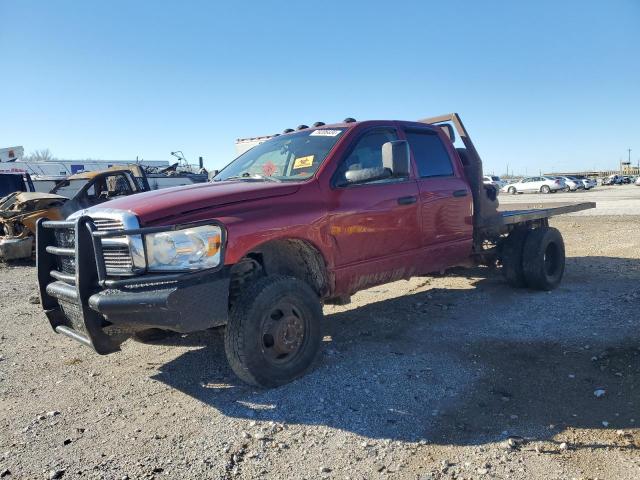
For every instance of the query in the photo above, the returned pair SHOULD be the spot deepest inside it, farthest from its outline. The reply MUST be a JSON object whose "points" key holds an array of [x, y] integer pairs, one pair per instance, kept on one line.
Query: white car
{"points": [[493, 180], [637, 182], [535, 184], [573, 184], [588, 183]]}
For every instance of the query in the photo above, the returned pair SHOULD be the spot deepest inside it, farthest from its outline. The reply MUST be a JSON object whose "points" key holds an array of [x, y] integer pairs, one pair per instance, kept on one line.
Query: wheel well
{"points": [[293, 257]]}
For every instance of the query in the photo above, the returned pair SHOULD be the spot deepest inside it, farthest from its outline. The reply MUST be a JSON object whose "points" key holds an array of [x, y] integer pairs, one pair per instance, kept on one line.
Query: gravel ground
{"points": [[419, 379]]}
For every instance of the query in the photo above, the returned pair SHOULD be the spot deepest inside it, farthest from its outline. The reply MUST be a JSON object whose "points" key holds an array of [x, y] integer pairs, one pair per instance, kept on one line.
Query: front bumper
{"points": [[103, 312]]}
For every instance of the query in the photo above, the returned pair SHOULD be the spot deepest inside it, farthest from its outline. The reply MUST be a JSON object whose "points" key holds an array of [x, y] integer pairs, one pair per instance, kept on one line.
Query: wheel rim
{"points": [[283, 333], [512, 190], [551, 259]]}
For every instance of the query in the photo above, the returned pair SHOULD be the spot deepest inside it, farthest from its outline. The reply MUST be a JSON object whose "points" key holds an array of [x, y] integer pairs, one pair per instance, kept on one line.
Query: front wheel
{"points": [[274, 331], [545, 189], [512, 190]]}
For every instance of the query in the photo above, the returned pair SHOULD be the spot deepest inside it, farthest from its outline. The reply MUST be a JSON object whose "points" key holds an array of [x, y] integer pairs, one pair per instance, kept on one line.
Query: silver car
{"points": [[535, 184]]}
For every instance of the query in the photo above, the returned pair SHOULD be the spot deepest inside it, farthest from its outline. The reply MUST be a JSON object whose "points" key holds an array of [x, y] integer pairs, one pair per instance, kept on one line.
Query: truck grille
{"points": [[108, 224], [117, 258], [115, 250], [66, 238]]}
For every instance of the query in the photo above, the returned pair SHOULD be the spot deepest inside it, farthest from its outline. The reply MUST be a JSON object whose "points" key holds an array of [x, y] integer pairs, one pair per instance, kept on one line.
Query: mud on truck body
{"points": [[305, 218]]}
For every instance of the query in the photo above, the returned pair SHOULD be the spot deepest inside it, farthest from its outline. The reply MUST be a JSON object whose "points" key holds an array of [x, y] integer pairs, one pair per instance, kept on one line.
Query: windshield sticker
{"points": [[303, 162], [269, 168], [325, 133]]}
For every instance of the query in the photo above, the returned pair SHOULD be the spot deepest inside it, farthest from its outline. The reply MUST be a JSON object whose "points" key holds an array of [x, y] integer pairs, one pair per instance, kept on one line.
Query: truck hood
{"points": [[159, 205]]}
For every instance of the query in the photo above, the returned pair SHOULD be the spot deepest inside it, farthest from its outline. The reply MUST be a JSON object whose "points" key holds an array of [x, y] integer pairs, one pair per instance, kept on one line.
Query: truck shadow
{"points": [[455, 366]]}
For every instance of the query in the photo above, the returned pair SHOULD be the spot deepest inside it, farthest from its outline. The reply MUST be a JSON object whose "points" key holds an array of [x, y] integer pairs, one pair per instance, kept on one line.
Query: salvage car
{"points": [[15, 182], [535, 185], [612, 180], [305, 218], [19, 211]]}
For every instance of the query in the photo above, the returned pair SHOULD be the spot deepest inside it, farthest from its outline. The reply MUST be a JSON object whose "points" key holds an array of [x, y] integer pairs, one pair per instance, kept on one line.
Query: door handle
{"points": [[460, 193], [407, 200]]}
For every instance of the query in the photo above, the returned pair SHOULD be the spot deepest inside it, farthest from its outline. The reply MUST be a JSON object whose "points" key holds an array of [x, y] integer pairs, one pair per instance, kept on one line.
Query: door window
{"points": [[430, 154], [366, 155]]}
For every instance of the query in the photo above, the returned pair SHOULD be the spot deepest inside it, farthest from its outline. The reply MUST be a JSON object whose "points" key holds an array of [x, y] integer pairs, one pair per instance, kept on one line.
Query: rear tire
{"points": [[543, 258], [274, 331], [545, 189], [511, 258]]}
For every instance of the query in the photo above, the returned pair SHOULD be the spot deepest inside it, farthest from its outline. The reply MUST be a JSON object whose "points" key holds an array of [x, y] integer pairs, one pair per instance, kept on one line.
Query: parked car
{"points": [[534, 185], [637, 182], [587, 182], [15, 182], [625, 179], [612, 180], [572, 184], [493, 180]]}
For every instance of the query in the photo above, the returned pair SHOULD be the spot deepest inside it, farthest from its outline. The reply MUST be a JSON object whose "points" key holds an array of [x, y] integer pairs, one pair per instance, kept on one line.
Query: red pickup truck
{"points": [[305, 218]]}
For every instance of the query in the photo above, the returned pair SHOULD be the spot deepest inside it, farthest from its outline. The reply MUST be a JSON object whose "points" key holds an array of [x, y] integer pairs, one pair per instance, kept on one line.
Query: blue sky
{"points": [[546, 85]]}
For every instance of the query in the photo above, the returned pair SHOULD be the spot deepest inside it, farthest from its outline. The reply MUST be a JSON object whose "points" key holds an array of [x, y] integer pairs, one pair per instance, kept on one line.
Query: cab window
{"points": [[430, 154], [366, 155]]}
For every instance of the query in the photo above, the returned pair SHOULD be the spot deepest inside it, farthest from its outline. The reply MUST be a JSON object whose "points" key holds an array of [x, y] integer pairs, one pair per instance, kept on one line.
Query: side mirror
{"points": [[395, 157], [365, 175]]}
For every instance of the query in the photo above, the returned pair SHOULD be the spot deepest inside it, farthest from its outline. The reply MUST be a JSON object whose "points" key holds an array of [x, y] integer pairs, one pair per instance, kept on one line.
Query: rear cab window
{"points": [[430, 154]]}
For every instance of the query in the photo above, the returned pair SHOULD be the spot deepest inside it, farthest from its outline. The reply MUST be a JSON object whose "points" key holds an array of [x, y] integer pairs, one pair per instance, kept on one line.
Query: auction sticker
{"points": [[303, 162], [325, 133]]}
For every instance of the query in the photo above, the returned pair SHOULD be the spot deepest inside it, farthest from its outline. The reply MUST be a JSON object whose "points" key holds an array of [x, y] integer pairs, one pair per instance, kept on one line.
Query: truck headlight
{"points": [[192, 248]]}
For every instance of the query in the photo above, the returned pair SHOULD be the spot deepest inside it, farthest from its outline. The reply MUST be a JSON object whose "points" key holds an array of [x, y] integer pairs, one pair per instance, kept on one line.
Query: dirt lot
{"points": [[418, 379]]}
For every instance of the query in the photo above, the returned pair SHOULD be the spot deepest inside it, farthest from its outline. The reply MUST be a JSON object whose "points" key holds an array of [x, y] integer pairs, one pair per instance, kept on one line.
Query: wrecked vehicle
{"points": [[308, 217], [15, 182], [20, 210]]}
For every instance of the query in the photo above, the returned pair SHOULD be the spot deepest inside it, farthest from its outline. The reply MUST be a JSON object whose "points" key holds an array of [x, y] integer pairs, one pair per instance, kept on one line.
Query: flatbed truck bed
{"points": [[532, 212]]}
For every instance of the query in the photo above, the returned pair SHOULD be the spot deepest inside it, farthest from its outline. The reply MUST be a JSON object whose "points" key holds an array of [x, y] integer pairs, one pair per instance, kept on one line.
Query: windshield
{"points": [[68, 188], [294, 156]]}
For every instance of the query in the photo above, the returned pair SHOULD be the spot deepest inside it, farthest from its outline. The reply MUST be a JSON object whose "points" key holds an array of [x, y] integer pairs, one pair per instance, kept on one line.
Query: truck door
{"points": [[446, 204], [374, 224]]}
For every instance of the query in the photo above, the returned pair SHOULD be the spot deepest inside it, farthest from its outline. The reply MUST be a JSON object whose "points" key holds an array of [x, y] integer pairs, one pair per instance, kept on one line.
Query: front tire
{"points": [[543, 258], [274, 331], [512, 190], [545, 189]]}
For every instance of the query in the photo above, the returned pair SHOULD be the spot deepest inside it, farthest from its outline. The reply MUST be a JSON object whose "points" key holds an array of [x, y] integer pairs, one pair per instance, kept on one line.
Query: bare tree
{"points": [[44, 155]]}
